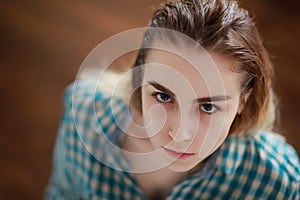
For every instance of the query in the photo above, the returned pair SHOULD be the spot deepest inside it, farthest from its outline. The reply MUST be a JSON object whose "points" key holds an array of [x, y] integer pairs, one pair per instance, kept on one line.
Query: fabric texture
{"points": [[87, 166]]}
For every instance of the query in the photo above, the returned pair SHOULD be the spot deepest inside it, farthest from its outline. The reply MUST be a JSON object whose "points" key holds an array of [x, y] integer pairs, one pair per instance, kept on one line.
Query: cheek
{"points": [[154, 117], [214, 131], [147, 103], [232, 112], [145, 110], [222, 121]]}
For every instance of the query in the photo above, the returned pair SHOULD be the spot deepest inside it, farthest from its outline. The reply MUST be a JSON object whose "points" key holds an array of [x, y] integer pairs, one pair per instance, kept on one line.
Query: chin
{"points": [[178, 166]]}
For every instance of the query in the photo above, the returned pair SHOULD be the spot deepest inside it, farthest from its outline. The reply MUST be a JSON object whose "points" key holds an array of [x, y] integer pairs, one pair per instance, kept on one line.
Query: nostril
{"points": [[171, 134]]}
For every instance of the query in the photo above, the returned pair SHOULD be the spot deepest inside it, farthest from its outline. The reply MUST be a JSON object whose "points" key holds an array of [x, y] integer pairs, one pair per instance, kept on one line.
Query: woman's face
{"points": [[188, 108]]}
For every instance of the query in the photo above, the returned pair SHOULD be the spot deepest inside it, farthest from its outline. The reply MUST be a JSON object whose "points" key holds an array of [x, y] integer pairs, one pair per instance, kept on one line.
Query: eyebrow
{"points": [[213, 99], [161, 88], [199, 100]]}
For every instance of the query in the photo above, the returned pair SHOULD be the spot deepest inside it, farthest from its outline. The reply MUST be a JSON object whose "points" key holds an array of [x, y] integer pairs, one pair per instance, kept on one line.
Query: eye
{"points": [[162, 97], [208, 108]]}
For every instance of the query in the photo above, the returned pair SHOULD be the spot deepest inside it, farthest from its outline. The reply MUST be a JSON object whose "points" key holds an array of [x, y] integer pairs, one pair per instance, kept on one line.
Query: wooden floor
{"points": [[42, 46]]}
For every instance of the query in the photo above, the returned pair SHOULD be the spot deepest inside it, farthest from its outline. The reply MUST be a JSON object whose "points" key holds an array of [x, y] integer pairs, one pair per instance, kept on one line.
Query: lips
{"points": [[178, 155]]}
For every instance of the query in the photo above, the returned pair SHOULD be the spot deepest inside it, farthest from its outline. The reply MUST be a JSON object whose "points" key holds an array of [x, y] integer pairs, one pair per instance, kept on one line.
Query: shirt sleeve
{"points": [[62, 183], [88, 123]]}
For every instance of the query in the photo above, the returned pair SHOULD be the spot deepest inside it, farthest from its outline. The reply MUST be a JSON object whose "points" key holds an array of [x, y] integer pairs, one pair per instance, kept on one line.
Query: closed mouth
{"points": [[177, 155]]}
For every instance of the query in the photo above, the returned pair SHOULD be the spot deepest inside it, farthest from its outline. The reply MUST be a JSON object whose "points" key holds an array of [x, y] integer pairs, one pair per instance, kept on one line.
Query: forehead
{"points": [[205, 73]]}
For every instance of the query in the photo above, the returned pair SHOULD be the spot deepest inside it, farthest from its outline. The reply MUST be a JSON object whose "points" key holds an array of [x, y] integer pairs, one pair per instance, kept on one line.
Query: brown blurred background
{"points": [[43, 44]]}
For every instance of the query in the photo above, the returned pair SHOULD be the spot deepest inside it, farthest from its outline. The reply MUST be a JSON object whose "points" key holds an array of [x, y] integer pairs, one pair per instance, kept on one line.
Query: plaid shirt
{"points": [[86, 166]]}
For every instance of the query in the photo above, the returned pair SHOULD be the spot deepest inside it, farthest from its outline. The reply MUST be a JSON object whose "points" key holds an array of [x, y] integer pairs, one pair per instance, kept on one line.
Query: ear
{"points": [[244, 101]]}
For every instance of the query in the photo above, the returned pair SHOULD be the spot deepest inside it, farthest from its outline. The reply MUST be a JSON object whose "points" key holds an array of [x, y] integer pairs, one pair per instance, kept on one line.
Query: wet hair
{"points": [[221, 27]]}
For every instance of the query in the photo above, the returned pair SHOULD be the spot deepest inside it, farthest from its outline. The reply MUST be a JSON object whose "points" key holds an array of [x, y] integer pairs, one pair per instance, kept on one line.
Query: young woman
{"points": [[202, 114]]}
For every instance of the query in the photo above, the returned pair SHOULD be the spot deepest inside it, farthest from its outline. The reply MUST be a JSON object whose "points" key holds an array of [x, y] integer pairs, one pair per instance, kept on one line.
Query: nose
{"points": [[180, 135], [183, 126]]}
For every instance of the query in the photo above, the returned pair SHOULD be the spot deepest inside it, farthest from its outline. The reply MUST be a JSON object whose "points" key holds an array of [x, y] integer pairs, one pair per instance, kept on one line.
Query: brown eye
{"points": [[208, 108]]}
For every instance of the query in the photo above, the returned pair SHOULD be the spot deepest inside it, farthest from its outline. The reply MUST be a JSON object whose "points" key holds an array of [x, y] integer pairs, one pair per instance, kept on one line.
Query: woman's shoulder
{"points": [[265, 150], [92, 123], [86, 102], [87, 138], [99, 85], [262, 160], [275, 153]]}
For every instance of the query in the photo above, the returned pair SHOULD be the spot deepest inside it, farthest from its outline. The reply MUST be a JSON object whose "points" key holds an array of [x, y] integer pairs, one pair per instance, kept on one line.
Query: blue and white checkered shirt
{"points": [[257, 166]]}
